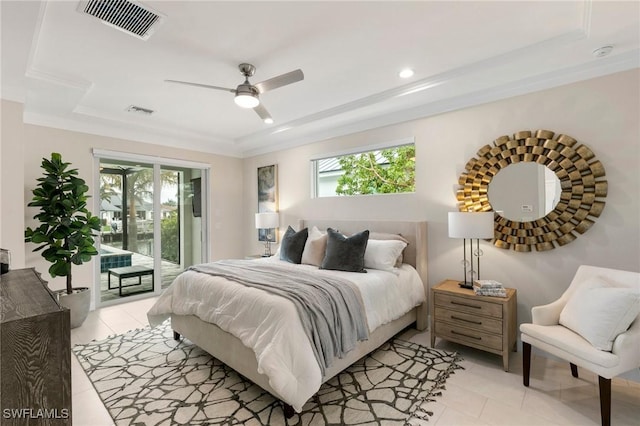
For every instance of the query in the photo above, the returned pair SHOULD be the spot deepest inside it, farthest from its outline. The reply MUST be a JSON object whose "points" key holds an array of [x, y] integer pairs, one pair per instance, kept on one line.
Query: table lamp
{"points": [[470, 225]]}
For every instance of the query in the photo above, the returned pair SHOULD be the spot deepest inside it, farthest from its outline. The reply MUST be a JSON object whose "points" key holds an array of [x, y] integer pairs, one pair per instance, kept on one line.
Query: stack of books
{"points": [[489, 288]]}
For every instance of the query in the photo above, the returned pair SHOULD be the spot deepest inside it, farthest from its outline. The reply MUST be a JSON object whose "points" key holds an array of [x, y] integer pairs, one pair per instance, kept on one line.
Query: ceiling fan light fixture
{"points": [[247, 95], [246, 100]]}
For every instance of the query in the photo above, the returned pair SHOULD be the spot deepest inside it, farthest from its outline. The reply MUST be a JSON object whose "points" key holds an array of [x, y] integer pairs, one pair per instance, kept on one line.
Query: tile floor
{"points": [[482, 394]]}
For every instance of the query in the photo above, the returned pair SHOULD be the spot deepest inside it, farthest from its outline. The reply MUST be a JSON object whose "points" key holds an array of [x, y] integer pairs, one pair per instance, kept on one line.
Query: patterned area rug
{"points": [[146, 377]]}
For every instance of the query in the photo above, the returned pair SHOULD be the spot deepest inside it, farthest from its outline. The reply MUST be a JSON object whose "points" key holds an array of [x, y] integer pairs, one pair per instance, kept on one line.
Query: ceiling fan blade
{"points": [[262, 112], [206, 86], [279, 81]]}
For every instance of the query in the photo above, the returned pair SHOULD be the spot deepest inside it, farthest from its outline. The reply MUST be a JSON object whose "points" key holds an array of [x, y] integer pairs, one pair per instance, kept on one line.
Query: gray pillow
{"points": [[345, 253], [292, 245]]}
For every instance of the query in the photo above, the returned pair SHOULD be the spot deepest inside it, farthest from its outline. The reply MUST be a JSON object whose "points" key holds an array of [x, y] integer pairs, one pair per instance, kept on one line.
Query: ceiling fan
{"points": [[247, 94]]}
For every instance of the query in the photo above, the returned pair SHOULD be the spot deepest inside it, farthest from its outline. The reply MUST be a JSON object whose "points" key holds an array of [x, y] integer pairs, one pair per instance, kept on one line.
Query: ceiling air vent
{"points": [[139, 110], [129, 16]]}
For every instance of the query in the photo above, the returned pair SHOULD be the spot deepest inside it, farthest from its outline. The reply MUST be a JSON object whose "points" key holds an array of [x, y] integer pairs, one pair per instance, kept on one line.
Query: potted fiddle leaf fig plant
{"points": [[66, 231]]}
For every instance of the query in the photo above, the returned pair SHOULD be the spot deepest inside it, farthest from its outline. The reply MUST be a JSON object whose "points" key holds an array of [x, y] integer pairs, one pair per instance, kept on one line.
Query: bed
{"points": [[231, 350]]}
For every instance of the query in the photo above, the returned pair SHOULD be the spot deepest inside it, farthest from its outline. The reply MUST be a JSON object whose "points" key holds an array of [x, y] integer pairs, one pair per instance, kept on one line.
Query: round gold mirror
{"points": [[534, 220]]}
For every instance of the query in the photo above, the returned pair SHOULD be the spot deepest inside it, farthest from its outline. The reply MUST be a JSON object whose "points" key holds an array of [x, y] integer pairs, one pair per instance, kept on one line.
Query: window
{"points": [[375, 171]]}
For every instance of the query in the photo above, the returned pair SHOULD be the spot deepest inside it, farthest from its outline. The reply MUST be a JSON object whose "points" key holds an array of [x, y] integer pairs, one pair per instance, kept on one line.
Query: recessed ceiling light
{"points": [[406, 73], [268, 120]]}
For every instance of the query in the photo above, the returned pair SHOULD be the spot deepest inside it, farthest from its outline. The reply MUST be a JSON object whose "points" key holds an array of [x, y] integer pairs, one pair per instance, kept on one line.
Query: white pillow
{"points": [[382, 254], [314, 248], [388, 236], [599, 311]]}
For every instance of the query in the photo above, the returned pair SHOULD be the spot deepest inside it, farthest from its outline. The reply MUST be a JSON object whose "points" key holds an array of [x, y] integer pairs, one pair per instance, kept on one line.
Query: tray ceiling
{"points": [[72, 71]]}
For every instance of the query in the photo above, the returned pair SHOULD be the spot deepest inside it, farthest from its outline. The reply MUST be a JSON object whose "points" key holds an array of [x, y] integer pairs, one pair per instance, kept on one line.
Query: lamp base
{"points": [[267, 247], [465, 285]]}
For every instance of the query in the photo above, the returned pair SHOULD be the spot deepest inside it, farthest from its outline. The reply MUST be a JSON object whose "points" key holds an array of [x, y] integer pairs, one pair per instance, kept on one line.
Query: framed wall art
{"points": [[267, 196]]}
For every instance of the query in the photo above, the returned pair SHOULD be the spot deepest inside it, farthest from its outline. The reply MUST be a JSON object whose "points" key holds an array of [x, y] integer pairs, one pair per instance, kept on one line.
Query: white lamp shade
{"points": [[267, 220], [470, 224]]}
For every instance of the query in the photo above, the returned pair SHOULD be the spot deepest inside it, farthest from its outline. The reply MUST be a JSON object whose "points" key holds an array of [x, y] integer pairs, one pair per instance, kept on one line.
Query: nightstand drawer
{"points": [[468, 305], [468, 336], [476, 322]]}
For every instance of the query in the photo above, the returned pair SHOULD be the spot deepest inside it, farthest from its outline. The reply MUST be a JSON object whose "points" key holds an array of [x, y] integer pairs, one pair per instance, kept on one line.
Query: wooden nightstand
{"points": [[482, 322]]}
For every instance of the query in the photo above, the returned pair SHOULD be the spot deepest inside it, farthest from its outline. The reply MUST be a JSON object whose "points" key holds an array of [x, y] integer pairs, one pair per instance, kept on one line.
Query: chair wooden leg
{"points": [[605, 400], [574, 369], [526, 363]]}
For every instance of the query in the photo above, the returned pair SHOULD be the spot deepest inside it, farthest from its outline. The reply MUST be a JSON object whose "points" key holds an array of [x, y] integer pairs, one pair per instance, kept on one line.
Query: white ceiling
{"points": [[72, 71]]}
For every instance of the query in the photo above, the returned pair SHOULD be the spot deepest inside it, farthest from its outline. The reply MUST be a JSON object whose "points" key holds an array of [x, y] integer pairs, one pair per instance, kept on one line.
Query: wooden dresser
{"points": [[486, 323], [35, 352]]}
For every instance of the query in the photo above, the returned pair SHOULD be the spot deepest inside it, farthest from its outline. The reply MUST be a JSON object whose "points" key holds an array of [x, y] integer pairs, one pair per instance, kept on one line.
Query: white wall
{"points": [[601, 113], [22, 148]]}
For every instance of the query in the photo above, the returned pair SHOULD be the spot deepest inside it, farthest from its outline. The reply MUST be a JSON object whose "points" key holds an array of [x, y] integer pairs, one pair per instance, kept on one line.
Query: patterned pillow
{"points": [[293, 244], [345, 253]]}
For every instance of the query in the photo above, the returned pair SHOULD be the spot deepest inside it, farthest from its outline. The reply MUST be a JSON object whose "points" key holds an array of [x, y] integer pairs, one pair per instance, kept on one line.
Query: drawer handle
{"points": [[466, 320], [466, 335], [453, 302]]}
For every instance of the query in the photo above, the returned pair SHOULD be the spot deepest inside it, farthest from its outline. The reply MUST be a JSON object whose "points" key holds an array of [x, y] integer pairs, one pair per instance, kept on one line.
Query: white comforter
{"points": [[269, 324]]}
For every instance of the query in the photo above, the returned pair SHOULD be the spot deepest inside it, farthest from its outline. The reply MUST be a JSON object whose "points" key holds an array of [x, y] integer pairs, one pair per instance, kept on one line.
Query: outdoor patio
{"points": [[169, 272]]}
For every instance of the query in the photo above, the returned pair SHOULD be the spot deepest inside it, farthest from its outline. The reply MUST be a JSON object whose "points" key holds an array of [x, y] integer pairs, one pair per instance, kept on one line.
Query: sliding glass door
{"points": [[181, 221], [152, 227]]}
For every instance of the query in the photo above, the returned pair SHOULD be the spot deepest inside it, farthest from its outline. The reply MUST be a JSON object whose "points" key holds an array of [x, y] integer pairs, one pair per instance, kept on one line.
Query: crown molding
{"points": [[107, 129], [422, 85], [593, 69], [149, 125], [278, 141]]}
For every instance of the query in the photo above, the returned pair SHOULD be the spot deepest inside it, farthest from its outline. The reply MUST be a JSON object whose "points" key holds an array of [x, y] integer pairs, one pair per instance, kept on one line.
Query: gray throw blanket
{"points": [[330, 309]]}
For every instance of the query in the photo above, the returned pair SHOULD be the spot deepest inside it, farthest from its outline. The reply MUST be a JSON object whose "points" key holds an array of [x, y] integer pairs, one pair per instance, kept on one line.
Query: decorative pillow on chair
{"points": [[383, 254], [292, 245], [314, 248], [599, 311], [345, 253]]}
